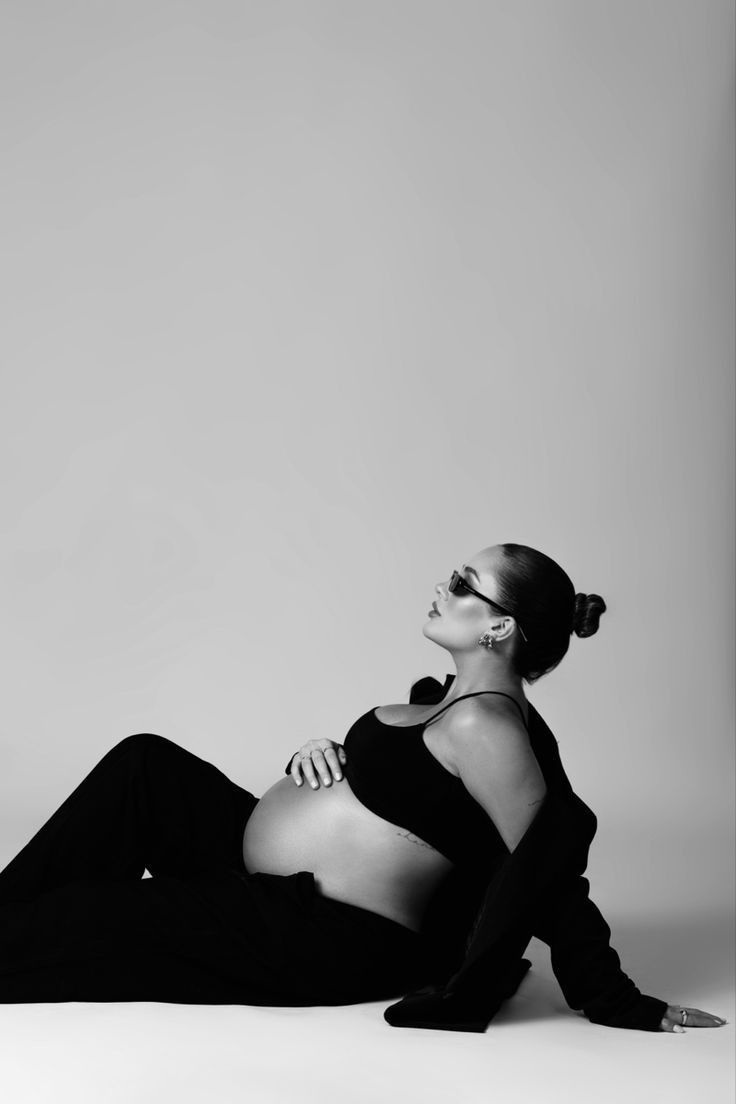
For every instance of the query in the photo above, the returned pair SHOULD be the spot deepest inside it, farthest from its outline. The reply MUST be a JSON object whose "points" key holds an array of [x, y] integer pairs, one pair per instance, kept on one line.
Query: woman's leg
{"points": [[212, 939], [219, 938], [148, 804], [77, 921]]}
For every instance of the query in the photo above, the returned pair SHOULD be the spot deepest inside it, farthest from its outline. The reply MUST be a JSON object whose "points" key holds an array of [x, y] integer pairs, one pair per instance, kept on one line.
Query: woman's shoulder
{"points": [[508, 706], [430, 691]]}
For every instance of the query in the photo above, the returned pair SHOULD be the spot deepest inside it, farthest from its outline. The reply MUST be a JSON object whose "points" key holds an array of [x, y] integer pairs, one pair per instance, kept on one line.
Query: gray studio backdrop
{"points": [[306, 303]]}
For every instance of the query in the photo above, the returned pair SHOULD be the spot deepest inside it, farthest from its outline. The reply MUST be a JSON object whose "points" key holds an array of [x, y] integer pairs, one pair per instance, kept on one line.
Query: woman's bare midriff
{"points": [[356, 856]]}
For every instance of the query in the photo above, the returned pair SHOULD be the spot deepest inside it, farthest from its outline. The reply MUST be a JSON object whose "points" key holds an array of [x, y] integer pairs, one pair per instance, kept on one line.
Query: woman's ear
{"points": [[503, 628]]}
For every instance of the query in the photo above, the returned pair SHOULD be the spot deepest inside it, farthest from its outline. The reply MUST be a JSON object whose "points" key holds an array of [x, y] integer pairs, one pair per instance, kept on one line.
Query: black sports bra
{"points": [[394, 774]]}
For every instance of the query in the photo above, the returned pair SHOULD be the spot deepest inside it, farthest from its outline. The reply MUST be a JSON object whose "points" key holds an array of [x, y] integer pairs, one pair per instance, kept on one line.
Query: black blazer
{"points": [[537, 890]]}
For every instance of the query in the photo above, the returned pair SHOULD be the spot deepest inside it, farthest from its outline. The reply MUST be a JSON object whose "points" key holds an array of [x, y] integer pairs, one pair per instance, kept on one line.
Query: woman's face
{"points": [[461, 618]]}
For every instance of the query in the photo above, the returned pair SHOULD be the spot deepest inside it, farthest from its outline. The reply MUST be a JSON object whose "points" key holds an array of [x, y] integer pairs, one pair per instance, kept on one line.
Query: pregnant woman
{"points": [[358, 876]]}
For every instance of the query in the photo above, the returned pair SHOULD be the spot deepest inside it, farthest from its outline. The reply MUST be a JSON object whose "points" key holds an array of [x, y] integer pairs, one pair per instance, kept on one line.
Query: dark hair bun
{"points": [[588, 610]]}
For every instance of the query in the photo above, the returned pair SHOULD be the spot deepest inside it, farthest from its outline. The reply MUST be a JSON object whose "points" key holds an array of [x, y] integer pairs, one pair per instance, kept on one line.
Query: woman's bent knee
{"points": [[143, 741]]}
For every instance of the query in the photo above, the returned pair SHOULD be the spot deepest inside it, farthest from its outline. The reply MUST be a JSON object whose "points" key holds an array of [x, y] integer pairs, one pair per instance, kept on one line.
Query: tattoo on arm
{"points": [[537, 802]]}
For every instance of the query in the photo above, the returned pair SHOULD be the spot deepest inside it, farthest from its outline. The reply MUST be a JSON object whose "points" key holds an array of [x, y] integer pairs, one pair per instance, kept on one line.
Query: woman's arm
{"points": [[497, 766], [586, 966]]}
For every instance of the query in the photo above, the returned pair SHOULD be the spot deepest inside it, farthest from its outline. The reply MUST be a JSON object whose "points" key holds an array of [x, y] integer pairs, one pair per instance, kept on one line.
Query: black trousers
{"points": [[78, 922]]}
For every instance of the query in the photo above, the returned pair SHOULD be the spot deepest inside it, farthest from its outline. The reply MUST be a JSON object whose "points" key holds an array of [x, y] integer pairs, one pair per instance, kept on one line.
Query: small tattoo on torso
{"points": [[415, 839]]}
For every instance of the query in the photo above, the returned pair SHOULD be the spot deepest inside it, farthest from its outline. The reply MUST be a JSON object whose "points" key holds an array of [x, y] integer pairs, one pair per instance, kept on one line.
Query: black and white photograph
{"points": [[367, 572]]}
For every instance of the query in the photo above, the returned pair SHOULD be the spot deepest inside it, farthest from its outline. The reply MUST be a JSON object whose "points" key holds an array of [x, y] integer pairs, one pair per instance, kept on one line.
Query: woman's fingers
{"points": [[672, 1019], [697, 1018], [334, 764], [671, 1022], [321, 767], [309, 772], [315, 763], [301, 769]]}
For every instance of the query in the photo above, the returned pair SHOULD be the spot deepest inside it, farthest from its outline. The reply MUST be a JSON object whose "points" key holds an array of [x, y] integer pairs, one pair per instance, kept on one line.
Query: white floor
{"points": [[535, 1050]]}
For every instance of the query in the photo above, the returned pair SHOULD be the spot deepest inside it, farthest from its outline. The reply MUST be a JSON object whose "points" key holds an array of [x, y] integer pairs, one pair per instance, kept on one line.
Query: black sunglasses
{"points": [[458, 585]]}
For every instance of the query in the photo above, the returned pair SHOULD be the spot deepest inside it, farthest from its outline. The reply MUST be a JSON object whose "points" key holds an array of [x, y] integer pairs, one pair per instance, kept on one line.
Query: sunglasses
{"points": [[458, 585]]}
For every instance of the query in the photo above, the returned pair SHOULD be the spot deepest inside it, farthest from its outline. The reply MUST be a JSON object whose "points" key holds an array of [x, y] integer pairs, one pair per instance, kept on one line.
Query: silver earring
{"points": [[486, 640]]}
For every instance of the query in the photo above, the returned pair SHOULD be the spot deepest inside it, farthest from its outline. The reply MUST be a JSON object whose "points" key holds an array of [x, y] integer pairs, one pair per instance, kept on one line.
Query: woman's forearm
{"points": [[585, 964]]}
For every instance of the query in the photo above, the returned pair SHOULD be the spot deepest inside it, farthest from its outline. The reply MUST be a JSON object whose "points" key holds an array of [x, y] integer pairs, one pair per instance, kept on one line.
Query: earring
{"points": [[486, 640]]}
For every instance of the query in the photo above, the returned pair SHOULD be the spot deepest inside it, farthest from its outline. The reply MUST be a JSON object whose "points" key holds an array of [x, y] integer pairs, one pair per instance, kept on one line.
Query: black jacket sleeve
{"points": [[586, 966]]}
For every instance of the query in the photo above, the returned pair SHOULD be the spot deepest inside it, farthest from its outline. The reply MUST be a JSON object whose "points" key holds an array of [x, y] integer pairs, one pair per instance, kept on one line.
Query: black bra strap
{"points": [[474, 695]]}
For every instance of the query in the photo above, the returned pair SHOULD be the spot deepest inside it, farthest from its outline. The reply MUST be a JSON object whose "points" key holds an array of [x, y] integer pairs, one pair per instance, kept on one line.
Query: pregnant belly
{"points": [[356, 856]]}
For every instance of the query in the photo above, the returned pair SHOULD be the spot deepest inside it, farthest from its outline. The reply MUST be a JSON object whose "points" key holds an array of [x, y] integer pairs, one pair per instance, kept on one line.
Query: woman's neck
{"points": [[472, 681]]}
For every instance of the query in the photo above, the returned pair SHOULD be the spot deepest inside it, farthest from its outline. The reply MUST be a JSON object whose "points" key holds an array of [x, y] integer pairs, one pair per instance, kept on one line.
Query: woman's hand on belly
{"points": [[324, 755]]}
